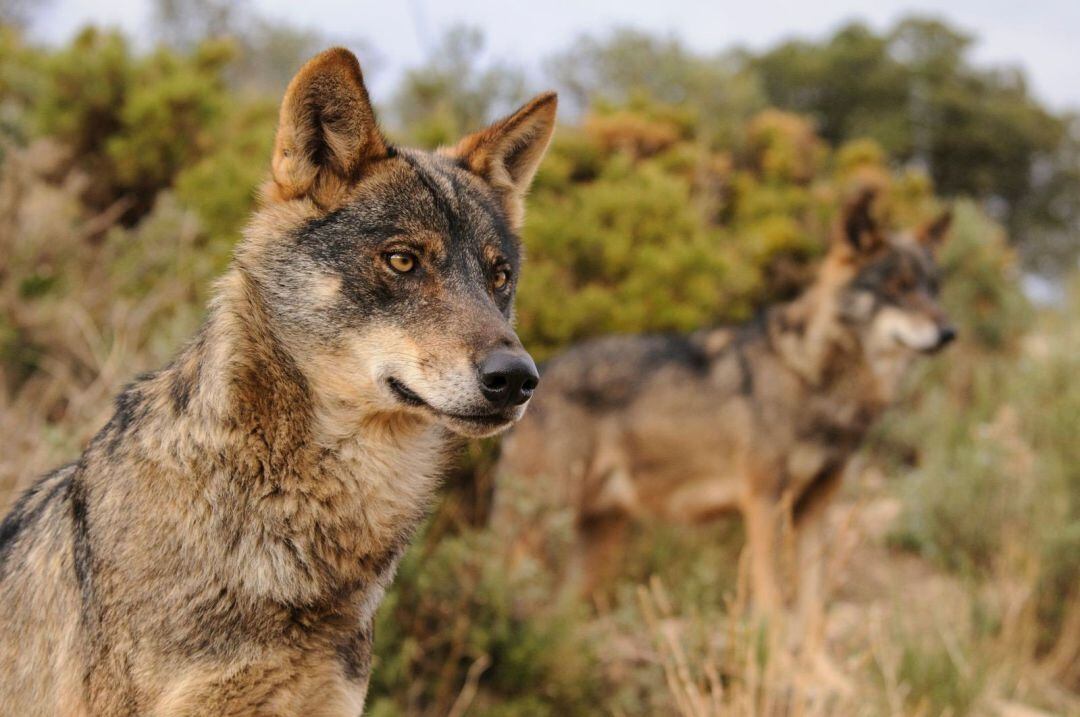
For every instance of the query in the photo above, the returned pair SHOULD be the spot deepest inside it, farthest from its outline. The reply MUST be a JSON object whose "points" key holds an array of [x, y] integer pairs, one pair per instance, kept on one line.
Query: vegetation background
{"points": [[682, 190]]}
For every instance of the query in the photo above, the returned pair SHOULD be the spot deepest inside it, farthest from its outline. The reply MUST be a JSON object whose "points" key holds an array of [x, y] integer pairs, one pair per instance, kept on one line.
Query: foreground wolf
{"points": [[221, 546], [759, 419]]}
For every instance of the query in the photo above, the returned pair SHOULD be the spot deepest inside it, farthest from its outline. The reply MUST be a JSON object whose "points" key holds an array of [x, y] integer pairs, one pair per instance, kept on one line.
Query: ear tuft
{"points": [[933, 233], [327, 130], [858, 227], [508, 153]]}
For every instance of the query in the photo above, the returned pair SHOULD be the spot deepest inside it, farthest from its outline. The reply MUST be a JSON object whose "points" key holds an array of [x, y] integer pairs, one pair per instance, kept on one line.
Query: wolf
{"points": [[758, 419], [222, 544]]}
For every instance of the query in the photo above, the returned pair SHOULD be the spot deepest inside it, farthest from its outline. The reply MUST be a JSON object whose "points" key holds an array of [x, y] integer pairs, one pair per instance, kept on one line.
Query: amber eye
{"points": [[903, 284], [502, 278], [401, 262]]}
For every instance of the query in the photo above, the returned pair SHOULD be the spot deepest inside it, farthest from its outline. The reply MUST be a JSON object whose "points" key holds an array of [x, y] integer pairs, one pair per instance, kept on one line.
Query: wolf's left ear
{"points": [[507, 154], [327, 132], [858, 229], [933, 233]]}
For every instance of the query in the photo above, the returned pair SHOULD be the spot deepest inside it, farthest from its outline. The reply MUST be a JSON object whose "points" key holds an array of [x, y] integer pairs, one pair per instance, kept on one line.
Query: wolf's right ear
{"points": [[507, 154], [327, 131], [858, 229], [933, 233]]}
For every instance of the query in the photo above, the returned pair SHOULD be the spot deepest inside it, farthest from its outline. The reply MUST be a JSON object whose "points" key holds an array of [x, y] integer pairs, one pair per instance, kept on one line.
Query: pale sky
{"points": [[1041, 36]]}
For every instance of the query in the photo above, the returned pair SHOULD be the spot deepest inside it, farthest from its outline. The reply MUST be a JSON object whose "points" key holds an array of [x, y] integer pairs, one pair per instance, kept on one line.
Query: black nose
{"points": [[945, 336], [507, 378]]}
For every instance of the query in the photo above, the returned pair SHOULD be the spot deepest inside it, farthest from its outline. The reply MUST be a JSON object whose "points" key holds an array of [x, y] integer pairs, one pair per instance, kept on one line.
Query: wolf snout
{"points": [[508, 378], [946, 335]]}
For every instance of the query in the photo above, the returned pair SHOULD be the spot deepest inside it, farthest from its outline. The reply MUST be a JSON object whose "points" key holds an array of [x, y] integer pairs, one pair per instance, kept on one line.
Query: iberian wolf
{"points": [[221, 546], [758, 419]]}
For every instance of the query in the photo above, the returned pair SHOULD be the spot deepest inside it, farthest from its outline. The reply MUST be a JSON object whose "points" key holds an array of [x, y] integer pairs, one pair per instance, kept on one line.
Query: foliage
{"points": [[221, 186], [464, 610], [629, 65], [454, 93], [185, 24], [131, 123], [913, 89], [267, 52]]}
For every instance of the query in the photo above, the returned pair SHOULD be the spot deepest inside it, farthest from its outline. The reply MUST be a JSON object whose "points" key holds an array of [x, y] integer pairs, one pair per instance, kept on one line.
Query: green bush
{"points": [[455, 603], [935, 683], [131, 123], [997, 477]]}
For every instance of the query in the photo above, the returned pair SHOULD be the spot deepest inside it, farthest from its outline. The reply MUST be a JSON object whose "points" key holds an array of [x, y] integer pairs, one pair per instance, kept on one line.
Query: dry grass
{"points": [[71, 332], [901, 642]]}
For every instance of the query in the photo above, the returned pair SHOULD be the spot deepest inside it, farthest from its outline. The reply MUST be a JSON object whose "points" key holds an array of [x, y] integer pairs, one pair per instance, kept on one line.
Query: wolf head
{"points": [[389, 274], [889, 294]]}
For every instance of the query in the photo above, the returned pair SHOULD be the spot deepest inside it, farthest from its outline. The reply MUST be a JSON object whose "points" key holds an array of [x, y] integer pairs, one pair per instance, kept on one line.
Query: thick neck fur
{"points": [[812, 341], [313, 512]]}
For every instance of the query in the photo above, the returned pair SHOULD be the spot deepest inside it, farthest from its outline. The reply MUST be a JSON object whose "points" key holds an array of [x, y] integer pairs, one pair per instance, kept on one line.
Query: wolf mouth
{"points": [[406, 394], [924, 350], [409, 397]]}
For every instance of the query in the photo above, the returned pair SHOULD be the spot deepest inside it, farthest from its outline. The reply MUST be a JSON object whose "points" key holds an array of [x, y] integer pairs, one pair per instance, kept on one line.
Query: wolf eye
{"points": [[401, 262], [903, 284], [502, 278]]}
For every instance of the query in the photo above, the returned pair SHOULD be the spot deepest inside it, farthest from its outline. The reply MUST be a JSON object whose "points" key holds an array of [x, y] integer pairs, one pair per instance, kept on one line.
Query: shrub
{"points": [[131, 123], [455, 608]]}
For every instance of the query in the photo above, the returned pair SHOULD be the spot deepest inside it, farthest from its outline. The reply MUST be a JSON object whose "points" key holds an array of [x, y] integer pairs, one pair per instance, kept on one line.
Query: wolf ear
{"points": [[933, 233], [858, 229], [326, 131], [507, 154]]}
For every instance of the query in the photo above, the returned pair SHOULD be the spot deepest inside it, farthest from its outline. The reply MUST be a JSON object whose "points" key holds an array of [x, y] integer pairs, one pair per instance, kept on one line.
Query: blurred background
{"points": [[701, 154]]}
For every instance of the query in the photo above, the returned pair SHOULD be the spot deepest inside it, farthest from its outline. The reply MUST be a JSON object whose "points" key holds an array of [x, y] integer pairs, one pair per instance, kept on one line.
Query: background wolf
{"points": [[222, 544], [760, 418]]}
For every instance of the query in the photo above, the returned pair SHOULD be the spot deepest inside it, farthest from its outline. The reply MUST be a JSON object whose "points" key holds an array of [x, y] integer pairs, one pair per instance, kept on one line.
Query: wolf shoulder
{"points": [[38, 575], [614, 372]]}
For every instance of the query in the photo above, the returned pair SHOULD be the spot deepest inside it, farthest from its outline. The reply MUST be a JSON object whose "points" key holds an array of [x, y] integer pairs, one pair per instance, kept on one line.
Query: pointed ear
{"points": [[326, 132], [858, 230], [507, 154], [933, 233]]}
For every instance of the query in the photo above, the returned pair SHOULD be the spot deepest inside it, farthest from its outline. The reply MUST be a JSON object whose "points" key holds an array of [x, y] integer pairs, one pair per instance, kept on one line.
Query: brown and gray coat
{"points": [[758, 419], [221, 546]]}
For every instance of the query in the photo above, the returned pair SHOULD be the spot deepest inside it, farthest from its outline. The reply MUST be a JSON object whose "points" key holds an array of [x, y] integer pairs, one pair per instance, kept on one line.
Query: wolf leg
{"points": [[812, 556], [602, 543], [761, 513], [808, 631], [809, 624]]}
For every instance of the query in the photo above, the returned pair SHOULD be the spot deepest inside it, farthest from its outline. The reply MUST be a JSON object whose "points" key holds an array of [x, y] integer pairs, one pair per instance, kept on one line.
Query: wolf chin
{"points": [[223, 543]]}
